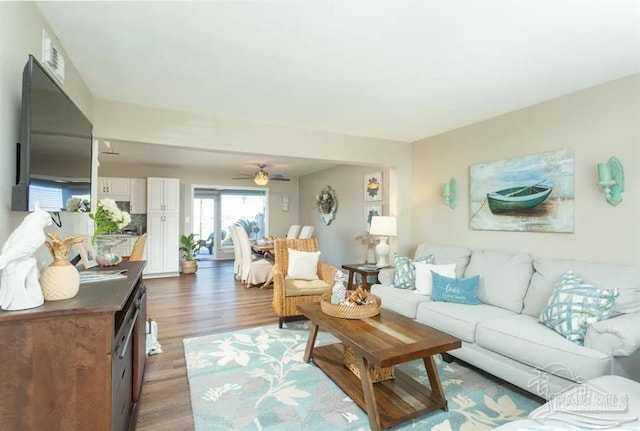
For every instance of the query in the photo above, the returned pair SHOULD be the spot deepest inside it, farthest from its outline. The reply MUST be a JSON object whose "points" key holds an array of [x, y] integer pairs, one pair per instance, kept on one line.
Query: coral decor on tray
{"points": [[358, 304]]}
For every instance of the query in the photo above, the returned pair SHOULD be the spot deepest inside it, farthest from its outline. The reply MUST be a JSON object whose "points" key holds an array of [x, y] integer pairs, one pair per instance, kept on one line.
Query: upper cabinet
{"points": [[132, 190], [138, 202], [163, 195], [117, 189]]}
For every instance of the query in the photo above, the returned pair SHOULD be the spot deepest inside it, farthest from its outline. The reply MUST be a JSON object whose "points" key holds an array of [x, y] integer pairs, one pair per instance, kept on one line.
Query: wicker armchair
{"points": [[286, 306]]}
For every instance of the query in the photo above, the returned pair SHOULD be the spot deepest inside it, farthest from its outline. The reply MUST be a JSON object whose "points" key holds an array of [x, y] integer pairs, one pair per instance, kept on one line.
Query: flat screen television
{"points": [[54, 152]]}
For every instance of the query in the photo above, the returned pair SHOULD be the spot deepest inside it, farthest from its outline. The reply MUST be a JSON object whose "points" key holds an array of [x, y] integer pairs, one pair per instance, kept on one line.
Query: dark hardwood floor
{"points": [[207, 302]]}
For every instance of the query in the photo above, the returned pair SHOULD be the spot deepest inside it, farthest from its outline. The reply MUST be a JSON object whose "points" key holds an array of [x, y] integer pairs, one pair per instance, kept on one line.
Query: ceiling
{"points": [[136, 153], [394, 69]]}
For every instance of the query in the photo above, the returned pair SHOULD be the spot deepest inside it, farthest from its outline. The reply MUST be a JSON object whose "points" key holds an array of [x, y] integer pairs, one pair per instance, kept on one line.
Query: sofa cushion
{"points": [[548, 271], [459, 320], [405, 273], [399, 300], [522, 338], [444, 254], [458, 290], [504, 277], [424, 279], [574, 305]]}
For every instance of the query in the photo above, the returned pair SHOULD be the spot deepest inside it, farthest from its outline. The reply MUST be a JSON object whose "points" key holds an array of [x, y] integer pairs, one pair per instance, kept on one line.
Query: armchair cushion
{"points": [[296, 287], [303, 265]]}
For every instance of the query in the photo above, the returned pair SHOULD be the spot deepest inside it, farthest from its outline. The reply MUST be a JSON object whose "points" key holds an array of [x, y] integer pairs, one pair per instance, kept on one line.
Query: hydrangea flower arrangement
{"points": [[109, 218], [78, 205]]}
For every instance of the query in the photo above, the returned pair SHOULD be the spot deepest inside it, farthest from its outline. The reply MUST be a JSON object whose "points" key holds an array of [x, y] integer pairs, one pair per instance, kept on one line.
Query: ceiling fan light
{"points": [[261, 178]]}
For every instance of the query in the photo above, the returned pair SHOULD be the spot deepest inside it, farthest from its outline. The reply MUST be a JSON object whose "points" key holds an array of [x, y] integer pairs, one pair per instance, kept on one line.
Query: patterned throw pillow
{"points": [[405, 274], [574, 305], [460, 290]]}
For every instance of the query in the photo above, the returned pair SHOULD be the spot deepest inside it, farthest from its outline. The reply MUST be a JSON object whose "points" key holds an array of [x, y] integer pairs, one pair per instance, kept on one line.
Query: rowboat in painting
{"points": [[518, 198]]}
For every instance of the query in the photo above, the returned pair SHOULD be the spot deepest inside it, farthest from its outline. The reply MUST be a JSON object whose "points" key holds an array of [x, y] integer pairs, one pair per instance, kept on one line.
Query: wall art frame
{"points": [[371, 210], [373, 187], [533, 193]]}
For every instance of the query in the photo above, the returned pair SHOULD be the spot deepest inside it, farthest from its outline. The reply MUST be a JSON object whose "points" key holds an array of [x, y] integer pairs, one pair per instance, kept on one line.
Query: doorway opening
{"points": [[217, 208]]}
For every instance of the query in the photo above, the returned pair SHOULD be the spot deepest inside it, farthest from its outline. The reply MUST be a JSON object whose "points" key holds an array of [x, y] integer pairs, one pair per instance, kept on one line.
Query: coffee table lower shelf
{"points": [[397, 400]]}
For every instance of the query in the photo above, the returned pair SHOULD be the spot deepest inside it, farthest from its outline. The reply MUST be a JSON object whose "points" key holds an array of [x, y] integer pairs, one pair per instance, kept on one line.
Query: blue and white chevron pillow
{"points": [[574, 305], [405, 273]]}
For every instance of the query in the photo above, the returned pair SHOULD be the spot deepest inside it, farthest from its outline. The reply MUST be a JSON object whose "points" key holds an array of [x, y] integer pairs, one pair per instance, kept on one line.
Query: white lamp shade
{"points": [[383, 226]]}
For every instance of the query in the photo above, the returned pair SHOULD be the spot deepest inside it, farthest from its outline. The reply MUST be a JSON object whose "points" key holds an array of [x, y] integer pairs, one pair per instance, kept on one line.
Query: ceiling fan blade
{"points": [[279, 179], [242, 178]]}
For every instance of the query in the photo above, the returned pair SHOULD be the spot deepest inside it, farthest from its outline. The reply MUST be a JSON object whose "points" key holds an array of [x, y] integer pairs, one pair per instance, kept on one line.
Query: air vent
{"points": [[52, 57]]}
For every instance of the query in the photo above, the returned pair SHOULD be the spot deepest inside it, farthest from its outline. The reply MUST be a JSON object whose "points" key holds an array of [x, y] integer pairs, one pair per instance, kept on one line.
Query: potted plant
{"points": [[189, 247]]}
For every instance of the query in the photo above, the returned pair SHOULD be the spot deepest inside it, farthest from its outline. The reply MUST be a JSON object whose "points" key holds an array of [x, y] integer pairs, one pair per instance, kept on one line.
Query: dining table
{"points": [[263, 249]]}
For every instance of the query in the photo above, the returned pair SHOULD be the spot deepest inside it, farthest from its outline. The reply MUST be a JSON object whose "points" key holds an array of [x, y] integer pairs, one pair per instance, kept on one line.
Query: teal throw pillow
{"points": [[459, 290], [405, 274], [574, 305]]}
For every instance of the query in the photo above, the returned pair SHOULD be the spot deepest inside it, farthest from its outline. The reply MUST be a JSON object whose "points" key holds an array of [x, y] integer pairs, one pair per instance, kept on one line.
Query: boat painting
{"points": [[517, 198], [532, 193]]}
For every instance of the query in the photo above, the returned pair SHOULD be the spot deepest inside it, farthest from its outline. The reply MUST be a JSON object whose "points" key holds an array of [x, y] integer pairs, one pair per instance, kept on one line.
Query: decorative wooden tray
{"points": [[350, 311]]}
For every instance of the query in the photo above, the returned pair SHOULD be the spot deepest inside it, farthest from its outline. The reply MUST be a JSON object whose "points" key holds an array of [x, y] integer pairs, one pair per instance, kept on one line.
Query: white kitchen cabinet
{"points": [[114, 188], [138, 202], [163, 195], [163, 242]]}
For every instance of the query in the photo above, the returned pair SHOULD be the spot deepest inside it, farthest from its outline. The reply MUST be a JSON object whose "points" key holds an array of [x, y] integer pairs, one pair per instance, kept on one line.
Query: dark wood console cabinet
{"points": [[76, 364]]}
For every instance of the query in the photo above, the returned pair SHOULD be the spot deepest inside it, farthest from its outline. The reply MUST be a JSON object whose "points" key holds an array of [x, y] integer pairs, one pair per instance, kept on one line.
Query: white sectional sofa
{"points": [[503, 336]]}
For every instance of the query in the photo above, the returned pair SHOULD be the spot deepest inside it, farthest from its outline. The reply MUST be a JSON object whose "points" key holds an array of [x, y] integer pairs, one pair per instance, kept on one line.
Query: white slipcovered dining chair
{"points": [[294, 231], [254, 270], [237, 253], [306, 232]]}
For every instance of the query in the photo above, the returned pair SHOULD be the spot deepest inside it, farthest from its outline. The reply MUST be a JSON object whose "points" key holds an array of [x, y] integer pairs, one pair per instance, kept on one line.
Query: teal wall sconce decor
{"points": [[450, 193], [611, 179]]}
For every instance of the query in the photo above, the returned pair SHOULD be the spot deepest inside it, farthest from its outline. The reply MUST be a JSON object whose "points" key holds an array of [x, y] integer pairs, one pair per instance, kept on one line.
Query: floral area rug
{"points": [[256, 379]]}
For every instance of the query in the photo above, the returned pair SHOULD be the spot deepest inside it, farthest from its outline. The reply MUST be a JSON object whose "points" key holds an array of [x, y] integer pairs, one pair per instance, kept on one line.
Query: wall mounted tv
{"points": [[54, 152]]}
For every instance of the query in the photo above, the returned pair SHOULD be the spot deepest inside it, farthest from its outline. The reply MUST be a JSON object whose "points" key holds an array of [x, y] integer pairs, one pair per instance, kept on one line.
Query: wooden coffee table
{"points": [[379, 342]]}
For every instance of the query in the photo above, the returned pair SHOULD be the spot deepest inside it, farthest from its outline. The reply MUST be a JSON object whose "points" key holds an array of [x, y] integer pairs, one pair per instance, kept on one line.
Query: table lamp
{"points": [[383, 227]]}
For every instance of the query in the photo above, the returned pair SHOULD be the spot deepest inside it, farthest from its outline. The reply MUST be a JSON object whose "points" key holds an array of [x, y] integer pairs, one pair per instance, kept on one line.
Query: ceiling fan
{"points": [[110, 149], [262, 177]]}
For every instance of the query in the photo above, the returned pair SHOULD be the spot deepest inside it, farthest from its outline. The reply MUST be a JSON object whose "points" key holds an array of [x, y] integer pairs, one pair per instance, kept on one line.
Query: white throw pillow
{"points": [[424, 281], [303, 265]]}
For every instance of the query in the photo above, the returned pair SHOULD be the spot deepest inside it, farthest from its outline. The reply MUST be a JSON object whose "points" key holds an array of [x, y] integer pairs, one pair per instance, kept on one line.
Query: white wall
{"points": [[279, 221], [337, 240], [158, 126], [21, 27], [596, 123]]}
